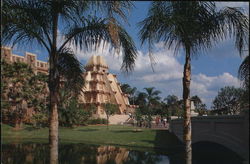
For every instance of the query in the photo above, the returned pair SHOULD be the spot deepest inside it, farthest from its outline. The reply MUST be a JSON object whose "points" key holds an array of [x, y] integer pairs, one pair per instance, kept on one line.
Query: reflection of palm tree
{"points": [[192, 26], [40, 21]]}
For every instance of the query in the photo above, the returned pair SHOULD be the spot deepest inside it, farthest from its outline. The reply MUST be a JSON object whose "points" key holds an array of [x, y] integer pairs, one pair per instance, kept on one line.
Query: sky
{"points": [[211, 71]]}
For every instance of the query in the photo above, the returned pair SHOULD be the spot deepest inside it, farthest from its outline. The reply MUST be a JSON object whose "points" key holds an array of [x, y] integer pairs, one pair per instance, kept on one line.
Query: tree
{"points": [[22, 90], [40, 99], [199, 106], [243, 74], [171, 99], [127, 89], [17, 77], [109, 109], [174, 106], [228, 100], [192, 26], [152, 100], [161, 109], [73, 114], [39, 21]]}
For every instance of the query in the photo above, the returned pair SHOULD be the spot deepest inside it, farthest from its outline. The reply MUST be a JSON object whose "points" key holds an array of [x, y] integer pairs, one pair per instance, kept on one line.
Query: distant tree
{"points": [[174, 106], [109, 109], [228, 100], [202, 109], [73, 114], [17, 77], [127, 89], [139, 116], [171, 99], [152, 101], [161, 108], [199, 106], [197, 101], [22, 89], [39, 99], [140, 99]]}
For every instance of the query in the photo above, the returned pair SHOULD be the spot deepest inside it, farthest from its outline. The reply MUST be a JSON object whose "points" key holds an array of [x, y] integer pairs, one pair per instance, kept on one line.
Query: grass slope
{"points": [[116, 135]]}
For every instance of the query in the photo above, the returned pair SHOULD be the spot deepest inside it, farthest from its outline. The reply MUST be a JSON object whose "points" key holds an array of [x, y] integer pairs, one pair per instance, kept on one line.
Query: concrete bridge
{"points": [[229, 131]]}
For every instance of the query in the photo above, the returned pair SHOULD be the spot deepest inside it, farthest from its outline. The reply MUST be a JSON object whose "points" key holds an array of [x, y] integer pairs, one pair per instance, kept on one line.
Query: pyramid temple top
{"points": [[96, 61]]}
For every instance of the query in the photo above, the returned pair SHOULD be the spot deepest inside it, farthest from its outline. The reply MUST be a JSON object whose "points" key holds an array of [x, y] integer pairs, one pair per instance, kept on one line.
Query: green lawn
{"points": [[116, 135]]}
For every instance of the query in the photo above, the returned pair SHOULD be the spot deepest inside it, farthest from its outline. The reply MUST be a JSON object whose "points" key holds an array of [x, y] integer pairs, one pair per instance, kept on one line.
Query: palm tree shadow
{"points": [[167, 143]]}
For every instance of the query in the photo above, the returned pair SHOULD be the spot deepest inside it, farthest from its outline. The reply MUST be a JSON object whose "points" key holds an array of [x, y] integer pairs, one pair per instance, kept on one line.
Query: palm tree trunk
{"points": [[187, 108], [53, 128], [54, 95]]}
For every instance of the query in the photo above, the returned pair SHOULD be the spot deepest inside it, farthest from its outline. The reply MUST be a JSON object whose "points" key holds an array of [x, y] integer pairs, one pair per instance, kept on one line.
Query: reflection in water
{"points": [[86, 154], [111, 153], [78, 153]]}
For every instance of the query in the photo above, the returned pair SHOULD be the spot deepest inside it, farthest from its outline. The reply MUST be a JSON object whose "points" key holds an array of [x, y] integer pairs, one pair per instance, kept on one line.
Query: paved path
{"points": [[160, 126]]}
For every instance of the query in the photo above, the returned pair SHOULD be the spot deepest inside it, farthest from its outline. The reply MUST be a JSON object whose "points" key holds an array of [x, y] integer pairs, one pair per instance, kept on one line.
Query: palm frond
{"points": [[243, 72], [25, 22], [114, 9], [193, 25], [95, 30], [233, 21], [70, 70]]}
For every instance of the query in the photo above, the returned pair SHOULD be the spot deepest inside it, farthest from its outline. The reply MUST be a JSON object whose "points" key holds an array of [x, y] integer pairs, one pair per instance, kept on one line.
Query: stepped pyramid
{"points": [[102, 87]]}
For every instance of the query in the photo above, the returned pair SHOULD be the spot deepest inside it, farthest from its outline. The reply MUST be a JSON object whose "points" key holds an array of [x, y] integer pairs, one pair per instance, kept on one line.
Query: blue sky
{"points": [[210, 72]]}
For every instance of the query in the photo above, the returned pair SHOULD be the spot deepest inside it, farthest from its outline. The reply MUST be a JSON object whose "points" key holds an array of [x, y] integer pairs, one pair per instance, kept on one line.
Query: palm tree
{"points": [[243, 72], [171, 99], [152, 100], [126, 88], [193, 26], [39, 21], [152, 95]]}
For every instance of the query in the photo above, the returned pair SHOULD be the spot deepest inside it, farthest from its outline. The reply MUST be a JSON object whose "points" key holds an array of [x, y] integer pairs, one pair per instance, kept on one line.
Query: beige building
{"points": [[102, 87], [29, 58]]}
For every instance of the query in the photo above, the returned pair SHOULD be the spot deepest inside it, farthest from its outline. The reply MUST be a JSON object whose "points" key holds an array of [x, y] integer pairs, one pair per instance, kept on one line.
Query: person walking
{"points": [[165, 122]]}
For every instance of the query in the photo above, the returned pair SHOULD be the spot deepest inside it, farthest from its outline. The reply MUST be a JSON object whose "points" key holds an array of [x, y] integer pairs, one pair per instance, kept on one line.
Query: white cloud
{"points": [[207, 87], [167, 75]]}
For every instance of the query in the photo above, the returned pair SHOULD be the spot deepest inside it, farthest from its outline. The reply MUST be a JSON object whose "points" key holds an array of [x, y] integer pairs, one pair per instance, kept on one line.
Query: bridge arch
{"points": [[229, 131], [205, 151], [230, 143]]}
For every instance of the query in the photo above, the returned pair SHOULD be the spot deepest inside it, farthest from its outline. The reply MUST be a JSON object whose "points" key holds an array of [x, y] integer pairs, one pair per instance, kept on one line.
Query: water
{"points": [[31, 153]]}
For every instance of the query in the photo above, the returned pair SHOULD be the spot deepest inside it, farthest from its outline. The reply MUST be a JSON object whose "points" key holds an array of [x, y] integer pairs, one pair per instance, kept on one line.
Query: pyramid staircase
{"points": [[120, 119]]}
